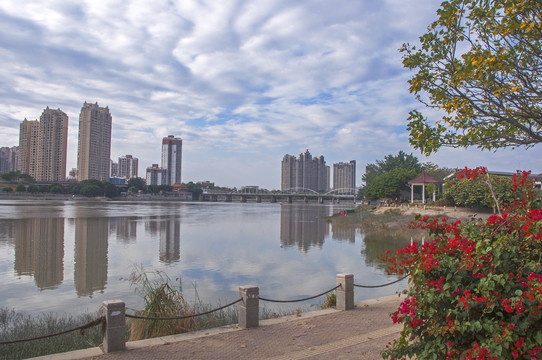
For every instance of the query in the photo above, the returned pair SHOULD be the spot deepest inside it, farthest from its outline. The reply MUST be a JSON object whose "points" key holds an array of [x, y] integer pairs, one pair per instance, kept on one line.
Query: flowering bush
{"points": [[475, 288]]}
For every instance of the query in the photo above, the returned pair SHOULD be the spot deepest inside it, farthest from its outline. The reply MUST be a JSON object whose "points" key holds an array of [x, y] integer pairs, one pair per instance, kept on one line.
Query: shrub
{"points": [[7, 189], [475, 288], [20, 188]]}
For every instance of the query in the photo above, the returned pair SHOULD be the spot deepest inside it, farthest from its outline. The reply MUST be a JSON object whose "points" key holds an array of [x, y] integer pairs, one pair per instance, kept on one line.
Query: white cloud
{"points": [[234, 79]]}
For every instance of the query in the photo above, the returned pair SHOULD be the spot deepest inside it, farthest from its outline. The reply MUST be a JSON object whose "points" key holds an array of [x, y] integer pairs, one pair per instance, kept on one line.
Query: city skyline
{"points": [[240, 83]]}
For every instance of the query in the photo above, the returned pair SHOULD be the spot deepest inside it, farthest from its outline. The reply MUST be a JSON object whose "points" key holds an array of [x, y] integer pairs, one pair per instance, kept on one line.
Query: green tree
{"points": [[195, 189], [91, 191], [390, 184], [56, 188], [7, 189], [33, 189], [109, 189], [137, 183], [480, 63], [20, 188], [390, 162]]}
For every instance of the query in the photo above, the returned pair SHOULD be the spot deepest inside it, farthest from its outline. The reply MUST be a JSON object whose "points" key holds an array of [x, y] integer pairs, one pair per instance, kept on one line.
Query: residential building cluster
{"points": [[311, 173], [42, 151]]}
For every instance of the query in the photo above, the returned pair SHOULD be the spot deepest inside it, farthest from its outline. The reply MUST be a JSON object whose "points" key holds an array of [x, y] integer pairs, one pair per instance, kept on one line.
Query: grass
{"points": [[14, 325], [163, 297]]}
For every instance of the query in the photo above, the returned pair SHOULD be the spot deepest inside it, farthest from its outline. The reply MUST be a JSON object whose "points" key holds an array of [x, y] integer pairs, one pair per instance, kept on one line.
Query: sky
{"points": [[241, 82]]}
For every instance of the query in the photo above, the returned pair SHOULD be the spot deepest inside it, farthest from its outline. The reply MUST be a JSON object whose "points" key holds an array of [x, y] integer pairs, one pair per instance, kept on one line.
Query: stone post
{"points": [[115, 328], [249, 306], [345, 293]]}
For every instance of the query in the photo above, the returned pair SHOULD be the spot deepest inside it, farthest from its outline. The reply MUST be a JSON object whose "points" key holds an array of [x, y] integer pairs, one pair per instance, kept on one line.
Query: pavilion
{"points": [[421, 180]]}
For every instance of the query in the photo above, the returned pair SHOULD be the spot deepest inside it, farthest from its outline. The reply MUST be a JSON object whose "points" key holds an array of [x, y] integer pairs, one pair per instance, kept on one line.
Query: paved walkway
{"points": [[357, 334]]}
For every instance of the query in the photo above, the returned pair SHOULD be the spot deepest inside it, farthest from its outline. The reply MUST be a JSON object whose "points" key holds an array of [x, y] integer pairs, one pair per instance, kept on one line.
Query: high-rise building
{"points": [[344, 178], [114, 169], [305, 172], [156, 175], [127, 167], [172, 153], [52, 146], [8, 158], [43, 146], [94, 149], [28, 146]]}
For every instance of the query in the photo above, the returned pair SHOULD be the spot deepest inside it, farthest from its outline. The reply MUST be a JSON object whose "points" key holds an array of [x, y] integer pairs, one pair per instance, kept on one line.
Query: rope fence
{"points": [[298, 300], [184, 316], [81, 329], [113, 312], [379, 286]]}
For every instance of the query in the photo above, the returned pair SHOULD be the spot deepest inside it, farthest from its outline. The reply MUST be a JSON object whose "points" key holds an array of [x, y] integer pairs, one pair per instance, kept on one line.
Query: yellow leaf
{"points": [[243, 346]]}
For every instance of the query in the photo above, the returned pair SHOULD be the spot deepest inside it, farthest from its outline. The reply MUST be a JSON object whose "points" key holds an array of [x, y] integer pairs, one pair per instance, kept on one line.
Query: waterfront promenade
{"points": [[361, 333]]}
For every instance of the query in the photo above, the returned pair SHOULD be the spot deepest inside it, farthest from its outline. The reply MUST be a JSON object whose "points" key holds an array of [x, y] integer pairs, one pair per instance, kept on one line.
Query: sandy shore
{"points": [[433, 211]]}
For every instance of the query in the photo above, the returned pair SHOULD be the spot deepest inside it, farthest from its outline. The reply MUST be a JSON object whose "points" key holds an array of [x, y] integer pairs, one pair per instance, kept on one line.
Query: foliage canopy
{"points": [[480, 63]]}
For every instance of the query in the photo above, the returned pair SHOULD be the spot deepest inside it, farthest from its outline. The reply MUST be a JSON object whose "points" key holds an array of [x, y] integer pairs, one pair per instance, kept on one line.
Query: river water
{"points": [[67, 257]]}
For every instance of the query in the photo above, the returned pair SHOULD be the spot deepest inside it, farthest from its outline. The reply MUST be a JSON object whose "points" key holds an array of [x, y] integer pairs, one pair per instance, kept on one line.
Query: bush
{"points": [[476, 288], [20, 188], [7, 189], [474, 193]]}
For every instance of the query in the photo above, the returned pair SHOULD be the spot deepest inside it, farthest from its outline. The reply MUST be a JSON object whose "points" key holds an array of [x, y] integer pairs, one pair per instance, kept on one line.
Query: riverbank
{"points": [[433, 211]]}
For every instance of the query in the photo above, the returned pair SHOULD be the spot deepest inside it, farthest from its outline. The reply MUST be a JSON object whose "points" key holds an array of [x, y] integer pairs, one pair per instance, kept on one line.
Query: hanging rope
{"points": [[184, 316], [304, 299], [377, 286], [80, 328]]}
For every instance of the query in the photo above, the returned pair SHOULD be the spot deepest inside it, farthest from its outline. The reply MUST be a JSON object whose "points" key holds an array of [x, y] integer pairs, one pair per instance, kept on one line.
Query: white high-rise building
{"points": [[172, 153], [127, 167], [344, 177]]}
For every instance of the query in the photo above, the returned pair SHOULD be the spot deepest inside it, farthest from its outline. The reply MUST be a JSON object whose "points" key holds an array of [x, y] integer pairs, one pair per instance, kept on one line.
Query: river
{"points": [[67, 257]]}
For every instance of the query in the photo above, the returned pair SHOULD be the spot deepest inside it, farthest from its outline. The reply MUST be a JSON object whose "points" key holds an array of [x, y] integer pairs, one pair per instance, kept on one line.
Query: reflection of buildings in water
{"points": [[7, 231], [39, 250], [91, 243], [125, 228], [377, 242], [303, 226], [169, 230], [170, 240], [343, 232], [152, 224]]}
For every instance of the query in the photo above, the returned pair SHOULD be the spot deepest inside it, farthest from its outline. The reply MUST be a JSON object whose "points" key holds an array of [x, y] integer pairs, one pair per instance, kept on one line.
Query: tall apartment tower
{"points": [[8, 158], [28, 146], [94, 149], [344, 177], [44, 146], [127, 167], [52, 146], [172, 153], [305, 172]]}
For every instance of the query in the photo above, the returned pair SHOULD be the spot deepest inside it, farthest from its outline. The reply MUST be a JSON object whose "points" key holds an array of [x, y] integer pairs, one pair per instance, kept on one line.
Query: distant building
{"points": [[94, 149], [128, 167], [72, 174], [114, 169], [172, 153], [344, 177], [115, 180], [305, 172], [8, 159], [43, 146], [156, 175]]}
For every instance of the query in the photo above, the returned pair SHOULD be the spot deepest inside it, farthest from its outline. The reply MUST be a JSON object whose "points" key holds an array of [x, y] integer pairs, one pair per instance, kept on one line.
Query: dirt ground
{"points": [[433, 211]]}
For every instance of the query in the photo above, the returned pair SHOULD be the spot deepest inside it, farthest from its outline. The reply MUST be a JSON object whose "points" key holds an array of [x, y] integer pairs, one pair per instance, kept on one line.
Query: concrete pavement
{"points": [[361, 333]]}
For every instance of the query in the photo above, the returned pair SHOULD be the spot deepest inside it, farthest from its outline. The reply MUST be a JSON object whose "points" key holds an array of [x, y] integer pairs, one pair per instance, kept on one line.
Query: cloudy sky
{"points": [[241, 82]]}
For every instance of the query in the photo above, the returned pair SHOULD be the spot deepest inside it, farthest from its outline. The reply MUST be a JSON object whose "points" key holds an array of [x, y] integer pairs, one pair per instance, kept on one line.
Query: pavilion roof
{"points": [[423, 178]]}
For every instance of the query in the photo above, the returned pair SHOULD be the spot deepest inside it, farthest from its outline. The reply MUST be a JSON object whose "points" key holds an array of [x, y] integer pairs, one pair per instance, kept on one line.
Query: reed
{"points": [[164, 298], [15, 325]]}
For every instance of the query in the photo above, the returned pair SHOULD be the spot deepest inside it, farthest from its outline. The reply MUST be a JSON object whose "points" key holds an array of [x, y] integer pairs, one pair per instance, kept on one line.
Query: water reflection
{"points": [[91, 242], [377, 242], [125, 228], [39, 250], [303, 226]]}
